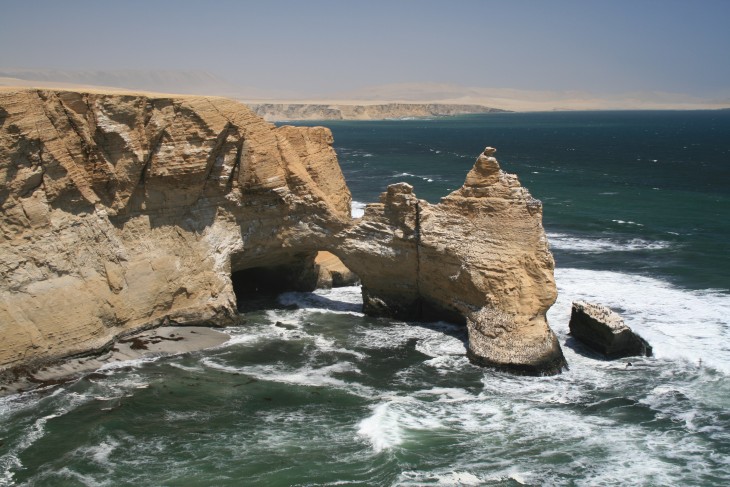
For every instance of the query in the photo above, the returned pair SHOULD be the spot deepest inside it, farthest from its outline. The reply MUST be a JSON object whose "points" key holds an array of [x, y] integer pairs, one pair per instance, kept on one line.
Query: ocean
{"points": [[311, 392]]}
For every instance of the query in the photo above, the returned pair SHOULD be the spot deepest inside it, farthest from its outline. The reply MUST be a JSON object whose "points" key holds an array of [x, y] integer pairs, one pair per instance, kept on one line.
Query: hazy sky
{"points": [[318, 47]]}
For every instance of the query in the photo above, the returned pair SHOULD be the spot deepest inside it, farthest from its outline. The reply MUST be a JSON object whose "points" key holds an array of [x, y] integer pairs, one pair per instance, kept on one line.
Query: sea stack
{"points": [[605, 332], [479, 257], [123, 212]]}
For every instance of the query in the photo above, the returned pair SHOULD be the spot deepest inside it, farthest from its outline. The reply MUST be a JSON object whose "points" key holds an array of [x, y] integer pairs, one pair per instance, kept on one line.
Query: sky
{"points": [[317, 47]]}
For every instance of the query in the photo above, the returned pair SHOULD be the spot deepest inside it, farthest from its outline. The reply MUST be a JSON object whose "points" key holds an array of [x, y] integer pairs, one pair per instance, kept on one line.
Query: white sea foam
{"points": [[428, 179], [510, 418], [10, 461], [62, 402], [346, 153], [309, 376], [131, 363], [624, 222], [392, 422], [447, 364], [678, 323], [66, 474], [253, 334], [336, 300], [357, 209], [431, 338], [382, 428], [325, 344], [445, 478], [100, 453], [186, 368], [601, 245], [440, 344], [446, 394]]}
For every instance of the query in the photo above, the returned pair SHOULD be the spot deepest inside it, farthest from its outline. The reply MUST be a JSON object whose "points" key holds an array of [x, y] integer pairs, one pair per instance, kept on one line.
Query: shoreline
{"points": [[284, 121], [156, 342]]}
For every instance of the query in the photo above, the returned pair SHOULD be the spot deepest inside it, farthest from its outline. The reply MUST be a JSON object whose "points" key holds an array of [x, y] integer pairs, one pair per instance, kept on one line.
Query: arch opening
{"points": [[257, 284]]}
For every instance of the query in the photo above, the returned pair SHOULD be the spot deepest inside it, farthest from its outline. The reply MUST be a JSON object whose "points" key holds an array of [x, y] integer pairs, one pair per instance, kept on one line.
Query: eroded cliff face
{"points": [[121, 212]]}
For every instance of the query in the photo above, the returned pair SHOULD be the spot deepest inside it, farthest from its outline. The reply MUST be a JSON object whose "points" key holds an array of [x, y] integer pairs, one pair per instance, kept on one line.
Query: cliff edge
{"points": [[122, 212]]}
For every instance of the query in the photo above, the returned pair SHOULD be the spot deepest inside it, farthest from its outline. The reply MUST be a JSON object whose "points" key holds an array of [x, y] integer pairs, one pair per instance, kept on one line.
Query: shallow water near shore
{"points": [[323, 395]]}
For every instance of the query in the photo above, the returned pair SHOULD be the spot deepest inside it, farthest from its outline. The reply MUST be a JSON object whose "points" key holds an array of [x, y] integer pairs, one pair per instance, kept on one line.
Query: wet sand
{"points": [[165, 340]]}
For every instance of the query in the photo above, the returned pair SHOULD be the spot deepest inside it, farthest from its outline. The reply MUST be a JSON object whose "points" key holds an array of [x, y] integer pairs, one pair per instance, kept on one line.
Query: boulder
{"points": [[605, 332]]}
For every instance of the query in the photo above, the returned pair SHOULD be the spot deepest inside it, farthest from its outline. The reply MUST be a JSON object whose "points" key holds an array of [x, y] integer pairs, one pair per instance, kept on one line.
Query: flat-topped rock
{"points": [[605, 331]]}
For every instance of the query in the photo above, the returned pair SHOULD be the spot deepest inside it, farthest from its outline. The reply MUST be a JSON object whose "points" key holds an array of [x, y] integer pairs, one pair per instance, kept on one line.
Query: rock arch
{"points": [[93, 249]]}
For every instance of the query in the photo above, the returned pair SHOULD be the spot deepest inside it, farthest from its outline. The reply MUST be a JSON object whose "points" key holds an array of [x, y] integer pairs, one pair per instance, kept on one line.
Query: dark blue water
{"points": [[636, 207]]}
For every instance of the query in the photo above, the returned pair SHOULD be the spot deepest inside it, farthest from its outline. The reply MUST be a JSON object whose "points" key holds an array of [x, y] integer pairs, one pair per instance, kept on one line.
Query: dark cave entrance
{"points": [[257, 286], [266, 280]]}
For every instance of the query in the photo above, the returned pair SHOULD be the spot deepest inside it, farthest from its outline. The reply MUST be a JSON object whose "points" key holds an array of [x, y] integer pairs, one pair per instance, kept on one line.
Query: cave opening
{"points": [[257, 286]]}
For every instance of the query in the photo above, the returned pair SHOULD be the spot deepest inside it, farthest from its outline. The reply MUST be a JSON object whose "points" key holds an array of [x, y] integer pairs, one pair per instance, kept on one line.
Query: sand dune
{"points": [[202, 83]]}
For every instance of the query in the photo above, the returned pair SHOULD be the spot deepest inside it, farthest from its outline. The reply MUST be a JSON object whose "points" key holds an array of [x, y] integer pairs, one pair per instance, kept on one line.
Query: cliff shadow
{"points": [[258, 288], [583, 349]]}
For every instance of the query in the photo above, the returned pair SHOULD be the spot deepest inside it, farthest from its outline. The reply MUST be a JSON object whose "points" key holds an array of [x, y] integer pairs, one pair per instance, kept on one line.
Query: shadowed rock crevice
{"points": [[254, 284], [267, 281]]}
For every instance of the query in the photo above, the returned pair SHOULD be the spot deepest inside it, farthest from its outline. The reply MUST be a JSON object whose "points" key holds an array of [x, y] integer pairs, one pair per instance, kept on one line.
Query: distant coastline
{"points": [[368, 103], [276, 112]]}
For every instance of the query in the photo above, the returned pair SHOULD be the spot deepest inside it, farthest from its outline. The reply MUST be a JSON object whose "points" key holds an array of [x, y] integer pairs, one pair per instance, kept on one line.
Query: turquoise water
{"points": [[636, 207]]}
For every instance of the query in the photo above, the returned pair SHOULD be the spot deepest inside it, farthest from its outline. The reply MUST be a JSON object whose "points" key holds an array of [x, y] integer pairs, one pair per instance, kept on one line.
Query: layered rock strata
{"points": [[605, 332], [125, 212]]}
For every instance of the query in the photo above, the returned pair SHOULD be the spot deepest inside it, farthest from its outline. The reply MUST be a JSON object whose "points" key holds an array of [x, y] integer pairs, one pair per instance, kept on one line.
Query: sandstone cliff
{"points": [[122, 212], [338, 111]]}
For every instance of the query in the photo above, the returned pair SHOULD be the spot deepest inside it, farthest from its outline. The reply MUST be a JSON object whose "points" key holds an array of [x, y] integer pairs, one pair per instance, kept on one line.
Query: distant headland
{"points": [[395, 100], [274, 112]]}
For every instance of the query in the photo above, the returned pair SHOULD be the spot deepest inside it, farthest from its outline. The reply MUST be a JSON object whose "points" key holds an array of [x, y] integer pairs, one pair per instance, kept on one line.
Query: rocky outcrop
{"points": [[480, 256], [121, 212], [605, 332], [313, 111], [125, 212]]}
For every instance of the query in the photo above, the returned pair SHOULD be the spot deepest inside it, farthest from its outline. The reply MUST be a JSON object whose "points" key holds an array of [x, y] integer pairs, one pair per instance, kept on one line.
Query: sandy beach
{"points": [[158, 342]]}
